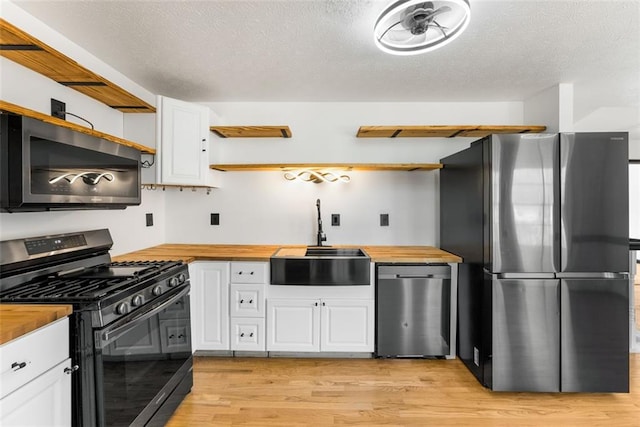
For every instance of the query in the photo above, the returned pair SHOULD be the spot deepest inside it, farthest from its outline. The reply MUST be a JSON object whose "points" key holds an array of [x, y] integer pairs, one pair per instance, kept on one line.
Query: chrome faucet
{"points": [[321, 236]]}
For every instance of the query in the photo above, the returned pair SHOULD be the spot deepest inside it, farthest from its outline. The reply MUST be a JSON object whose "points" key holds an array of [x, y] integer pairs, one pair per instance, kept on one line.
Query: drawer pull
{"points": [[242, 334], [16, 366], [71, 370]]}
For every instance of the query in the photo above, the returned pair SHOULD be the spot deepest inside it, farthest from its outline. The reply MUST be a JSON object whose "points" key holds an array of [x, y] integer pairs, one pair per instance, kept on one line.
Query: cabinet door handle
{"points": [[71, 370], [323, 304], [316, 304], [241, 301], [204, 148], [16, 366]]}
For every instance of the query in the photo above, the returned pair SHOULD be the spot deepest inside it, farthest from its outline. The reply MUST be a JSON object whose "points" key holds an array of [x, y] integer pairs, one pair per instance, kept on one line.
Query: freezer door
{"points": [[594, 191], [595, 335], [520, 195], [526, 347]]}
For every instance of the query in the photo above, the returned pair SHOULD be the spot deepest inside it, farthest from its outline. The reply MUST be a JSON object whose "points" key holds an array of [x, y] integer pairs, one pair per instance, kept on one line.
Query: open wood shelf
{"points": [[251, 131], [16, 109], [30, 52], [265, 167], [437, 131]]}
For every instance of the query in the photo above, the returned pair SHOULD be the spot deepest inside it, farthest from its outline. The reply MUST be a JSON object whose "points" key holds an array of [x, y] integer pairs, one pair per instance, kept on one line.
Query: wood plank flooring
{"points": [[369, 392]]}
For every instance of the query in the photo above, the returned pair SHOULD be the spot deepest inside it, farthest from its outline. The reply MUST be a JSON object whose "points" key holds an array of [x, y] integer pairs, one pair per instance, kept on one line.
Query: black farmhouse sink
{"points": [[322, 266]]}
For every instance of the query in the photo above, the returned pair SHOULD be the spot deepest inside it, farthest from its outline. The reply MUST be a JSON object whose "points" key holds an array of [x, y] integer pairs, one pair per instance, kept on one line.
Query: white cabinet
{"points": [[210, 305], [36, 378], [247, 305], [335, 325], [182, 149], [293, 325], [347, 325]]}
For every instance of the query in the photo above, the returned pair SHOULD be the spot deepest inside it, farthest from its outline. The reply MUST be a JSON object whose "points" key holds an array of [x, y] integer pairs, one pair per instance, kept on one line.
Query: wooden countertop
{"points": [[19, 319], [189, 253]]}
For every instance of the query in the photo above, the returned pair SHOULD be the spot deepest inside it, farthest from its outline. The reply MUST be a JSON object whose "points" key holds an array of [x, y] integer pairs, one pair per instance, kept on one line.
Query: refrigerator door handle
{"points": [[518, 276], [599, 275]]}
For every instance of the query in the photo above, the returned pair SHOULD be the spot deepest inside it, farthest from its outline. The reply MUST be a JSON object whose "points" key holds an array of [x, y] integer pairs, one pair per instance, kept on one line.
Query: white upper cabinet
{"points": [[183, 143]]}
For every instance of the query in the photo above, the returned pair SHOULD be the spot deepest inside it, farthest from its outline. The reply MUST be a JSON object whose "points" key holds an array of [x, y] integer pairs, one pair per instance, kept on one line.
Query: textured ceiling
{"points": [[297, 50]]}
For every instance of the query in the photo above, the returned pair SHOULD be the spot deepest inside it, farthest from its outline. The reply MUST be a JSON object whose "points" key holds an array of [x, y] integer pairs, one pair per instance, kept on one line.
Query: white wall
{"points": [[262, 207]]}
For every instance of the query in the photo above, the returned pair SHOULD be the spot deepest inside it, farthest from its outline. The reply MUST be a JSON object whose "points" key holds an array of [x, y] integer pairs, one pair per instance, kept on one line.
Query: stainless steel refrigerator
{"points": [[541, 222]]}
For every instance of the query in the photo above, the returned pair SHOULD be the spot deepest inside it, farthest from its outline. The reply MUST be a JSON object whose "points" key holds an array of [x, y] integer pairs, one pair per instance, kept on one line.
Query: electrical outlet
{"points": [[384, 220], [335, 220], [149, 218], [215, 219], [58, 109]]}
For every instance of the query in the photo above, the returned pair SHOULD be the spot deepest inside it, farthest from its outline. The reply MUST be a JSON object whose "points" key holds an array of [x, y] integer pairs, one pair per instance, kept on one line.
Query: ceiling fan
{"points": [[408, 27]]}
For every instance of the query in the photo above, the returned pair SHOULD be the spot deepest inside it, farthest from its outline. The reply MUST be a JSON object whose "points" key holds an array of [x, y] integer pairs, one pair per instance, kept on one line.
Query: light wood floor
{"points": [[296, 392]]}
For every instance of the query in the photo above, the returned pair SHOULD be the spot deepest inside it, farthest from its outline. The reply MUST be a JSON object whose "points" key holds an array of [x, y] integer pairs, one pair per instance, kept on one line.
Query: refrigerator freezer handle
{"points": [[598, 275]]}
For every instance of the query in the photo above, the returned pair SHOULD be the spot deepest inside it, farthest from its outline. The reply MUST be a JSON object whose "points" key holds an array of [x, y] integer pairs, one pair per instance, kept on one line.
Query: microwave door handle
{"points": [[108, 336]]}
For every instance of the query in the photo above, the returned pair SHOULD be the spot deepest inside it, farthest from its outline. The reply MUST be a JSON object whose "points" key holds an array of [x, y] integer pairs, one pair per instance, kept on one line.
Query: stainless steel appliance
{"points": [[129, 332], [541, 222], [412, 310], [48, 167]]}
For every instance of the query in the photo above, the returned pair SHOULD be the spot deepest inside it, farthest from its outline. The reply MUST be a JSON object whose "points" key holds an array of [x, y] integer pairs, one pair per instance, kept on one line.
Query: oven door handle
{"points": [[111, 335]]}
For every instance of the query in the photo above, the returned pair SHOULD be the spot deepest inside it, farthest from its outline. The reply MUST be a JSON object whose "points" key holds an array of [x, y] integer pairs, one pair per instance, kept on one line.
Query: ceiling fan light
{"points": [[450, 19]]}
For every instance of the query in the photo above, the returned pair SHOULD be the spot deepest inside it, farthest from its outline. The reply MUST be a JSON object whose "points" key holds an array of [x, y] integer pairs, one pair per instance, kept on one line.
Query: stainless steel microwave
{"points": [[47, 167]]}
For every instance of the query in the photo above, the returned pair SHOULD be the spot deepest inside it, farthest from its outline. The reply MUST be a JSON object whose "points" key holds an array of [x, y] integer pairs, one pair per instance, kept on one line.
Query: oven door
{"points": [[141, 360]]}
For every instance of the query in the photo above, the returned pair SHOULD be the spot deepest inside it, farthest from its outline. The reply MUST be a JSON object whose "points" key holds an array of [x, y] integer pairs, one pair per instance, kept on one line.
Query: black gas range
{"points": [[130, 332]]}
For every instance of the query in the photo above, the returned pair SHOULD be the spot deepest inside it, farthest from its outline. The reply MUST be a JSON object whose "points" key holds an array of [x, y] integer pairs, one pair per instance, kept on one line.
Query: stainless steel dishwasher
{"points": [[413, 310]]}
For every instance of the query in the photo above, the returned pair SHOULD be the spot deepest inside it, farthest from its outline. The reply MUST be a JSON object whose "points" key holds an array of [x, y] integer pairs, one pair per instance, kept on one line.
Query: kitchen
{"points": [[262, 207]]}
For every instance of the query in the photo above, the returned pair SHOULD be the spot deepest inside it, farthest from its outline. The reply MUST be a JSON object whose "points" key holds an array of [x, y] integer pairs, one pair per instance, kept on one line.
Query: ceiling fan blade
{"points": [[399, 36], [438, 11], [387, 30], [444, 33]]}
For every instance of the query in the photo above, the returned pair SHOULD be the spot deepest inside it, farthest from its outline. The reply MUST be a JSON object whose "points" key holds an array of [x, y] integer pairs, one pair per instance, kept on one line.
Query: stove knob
{"points": [[173, 282], [157, 291], [137, 301], [182, 277], [122, 308]]}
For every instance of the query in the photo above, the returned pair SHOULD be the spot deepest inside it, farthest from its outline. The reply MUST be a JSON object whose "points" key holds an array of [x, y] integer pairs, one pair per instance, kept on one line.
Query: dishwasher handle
{"points": [[413, 276]]}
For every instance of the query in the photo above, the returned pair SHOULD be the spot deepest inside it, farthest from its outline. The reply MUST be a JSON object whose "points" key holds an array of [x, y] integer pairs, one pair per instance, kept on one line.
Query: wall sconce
{"points": [[315, 176]]}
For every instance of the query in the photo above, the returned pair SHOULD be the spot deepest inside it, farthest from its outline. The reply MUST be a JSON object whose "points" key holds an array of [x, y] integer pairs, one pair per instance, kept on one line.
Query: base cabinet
{"points": [[45, 401], [313, 325], [35, 378], [246, 305], [210, 305]]}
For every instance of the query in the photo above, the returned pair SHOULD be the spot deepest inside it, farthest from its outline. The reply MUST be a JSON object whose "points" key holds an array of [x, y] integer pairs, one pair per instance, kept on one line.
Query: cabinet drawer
{"points": [[27, 357], [247, 334], [247, 301], [249, 272]]}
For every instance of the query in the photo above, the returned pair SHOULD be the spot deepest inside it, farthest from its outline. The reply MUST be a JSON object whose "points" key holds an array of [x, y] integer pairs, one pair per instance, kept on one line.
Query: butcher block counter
{"points": [[20, 319], [189, 253]]}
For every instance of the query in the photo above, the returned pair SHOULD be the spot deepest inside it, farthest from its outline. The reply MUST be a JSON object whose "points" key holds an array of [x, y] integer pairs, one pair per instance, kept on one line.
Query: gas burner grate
{"points": [[57, 289]]}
